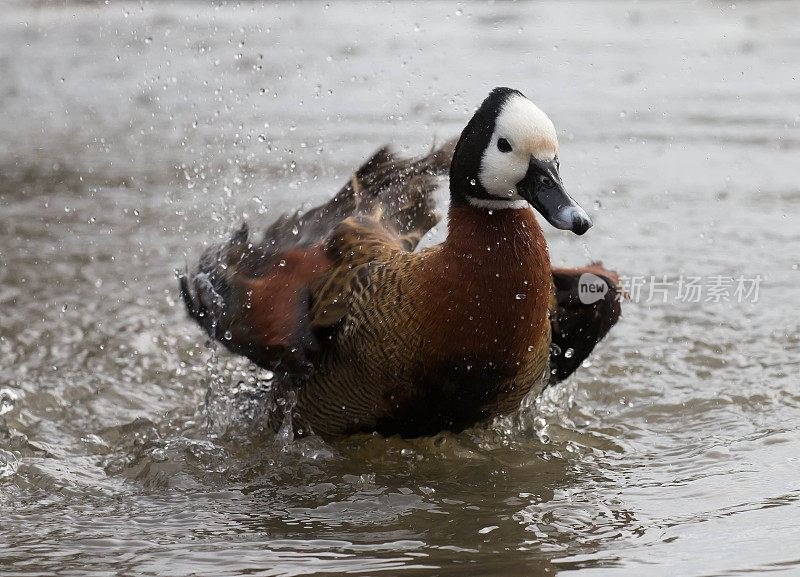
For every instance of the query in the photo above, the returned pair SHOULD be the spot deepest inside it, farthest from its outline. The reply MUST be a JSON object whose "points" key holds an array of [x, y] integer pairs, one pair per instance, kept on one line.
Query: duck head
{"points": [[507, 158]]}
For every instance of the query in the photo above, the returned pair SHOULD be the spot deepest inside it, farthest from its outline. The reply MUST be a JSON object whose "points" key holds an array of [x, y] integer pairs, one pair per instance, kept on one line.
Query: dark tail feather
{"points": [[401, 189], [577, 327]]}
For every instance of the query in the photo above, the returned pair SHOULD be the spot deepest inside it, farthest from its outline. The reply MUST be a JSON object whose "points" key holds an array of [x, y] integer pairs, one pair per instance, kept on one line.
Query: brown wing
{"points": [[577, 327], [257, 298], [358, 246]]}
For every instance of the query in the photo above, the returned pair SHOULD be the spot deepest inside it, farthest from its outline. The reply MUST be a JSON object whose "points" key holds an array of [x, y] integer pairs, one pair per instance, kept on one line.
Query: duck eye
{"points": [[503, 145]]}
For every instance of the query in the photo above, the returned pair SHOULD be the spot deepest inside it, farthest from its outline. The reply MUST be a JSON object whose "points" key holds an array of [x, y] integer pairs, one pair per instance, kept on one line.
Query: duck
{"points": [[368, 333]]}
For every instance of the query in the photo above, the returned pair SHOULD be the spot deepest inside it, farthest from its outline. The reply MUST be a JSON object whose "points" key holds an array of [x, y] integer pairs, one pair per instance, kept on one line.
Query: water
{"points": [[132, 133]]}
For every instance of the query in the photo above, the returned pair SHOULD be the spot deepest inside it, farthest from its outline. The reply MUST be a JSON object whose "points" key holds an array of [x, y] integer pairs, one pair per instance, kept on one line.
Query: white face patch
{"points": [[530, 133]]}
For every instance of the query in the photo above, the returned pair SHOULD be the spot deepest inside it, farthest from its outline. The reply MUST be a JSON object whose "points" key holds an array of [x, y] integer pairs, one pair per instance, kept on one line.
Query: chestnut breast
{"points": [[484, 295]]}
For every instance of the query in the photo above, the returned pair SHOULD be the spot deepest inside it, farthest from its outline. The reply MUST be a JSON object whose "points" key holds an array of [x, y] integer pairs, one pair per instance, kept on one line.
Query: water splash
{"points": [[8, 400], [9, 463]]}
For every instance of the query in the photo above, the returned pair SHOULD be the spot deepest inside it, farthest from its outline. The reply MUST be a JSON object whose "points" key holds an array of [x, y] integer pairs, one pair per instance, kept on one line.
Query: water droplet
{"points": [[472, 181], [228, 336], [520, 296], [9, 463], [295, 230], [8, 399], [158, 455], [282, 263], [569, 352]]}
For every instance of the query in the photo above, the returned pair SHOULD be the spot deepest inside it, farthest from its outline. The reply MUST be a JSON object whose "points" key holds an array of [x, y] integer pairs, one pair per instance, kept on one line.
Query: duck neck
{"points": [[509, 240], [493, 271]]}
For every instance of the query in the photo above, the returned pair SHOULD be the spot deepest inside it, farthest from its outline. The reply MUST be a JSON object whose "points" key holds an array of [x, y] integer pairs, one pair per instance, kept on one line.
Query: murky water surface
{"points": [[132, 133]]}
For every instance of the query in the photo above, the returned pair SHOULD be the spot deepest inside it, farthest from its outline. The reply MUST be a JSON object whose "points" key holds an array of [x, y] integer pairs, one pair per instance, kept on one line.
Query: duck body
{"points": [[457, 333], [372, 336]]}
